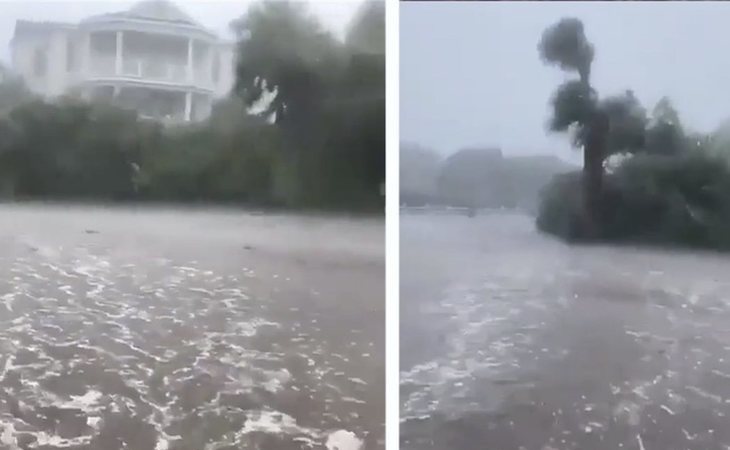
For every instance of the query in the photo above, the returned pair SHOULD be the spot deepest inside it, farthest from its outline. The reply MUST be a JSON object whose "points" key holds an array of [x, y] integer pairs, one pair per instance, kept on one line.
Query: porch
{"points": [[151, 57], [165, 105]]}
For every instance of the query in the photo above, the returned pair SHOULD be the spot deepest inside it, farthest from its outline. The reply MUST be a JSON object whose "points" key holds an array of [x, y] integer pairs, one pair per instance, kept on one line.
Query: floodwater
{"points": [[513, 340], [142, 329]]}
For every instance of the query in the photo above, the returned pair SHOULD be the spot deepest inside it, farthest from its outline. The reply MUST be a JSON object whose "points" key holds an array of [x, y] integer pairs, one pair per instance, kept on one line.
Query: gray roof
{"points": [[155, 10]]}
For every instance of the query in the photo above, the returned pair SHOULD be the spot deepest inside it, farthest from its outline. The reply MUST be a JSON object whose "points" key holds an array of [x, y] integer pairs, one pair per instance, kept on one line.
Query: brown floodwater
{"points": [[140, 328], [512, 340]]}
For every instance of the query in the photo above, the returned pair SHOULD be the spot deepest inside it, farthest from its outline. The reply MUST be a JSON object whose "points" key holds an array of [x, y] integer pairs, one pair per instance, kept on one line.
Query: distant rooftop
{"points": [[163, 11]]}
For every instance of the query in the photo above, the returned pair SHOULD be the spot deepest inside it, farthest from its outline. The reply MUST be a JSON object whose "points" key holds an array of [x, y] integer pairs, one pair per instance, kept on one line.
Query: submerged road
{"points": [[512, 340], [143, 329]]}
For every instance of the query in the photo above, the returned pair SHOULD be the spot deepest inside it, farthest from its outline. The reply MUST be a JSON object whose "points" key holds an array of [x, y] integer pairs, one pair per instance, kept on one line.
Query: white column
{"points": [[188, 105], [209, 66], [120, 51], [190, 60], [86, 53]]}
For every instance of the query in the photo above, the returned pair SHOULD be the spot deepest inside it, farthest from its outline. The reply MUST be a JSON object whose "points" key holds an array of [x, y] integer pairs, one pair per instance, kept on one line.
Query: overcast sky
{"points": [[470, 74], [214, 14]]}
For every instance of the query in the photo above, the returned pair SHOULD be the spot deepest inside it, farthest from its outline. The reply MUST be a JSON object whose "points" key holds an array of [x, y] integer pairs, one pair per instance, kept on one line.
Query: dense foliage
{"points": [[329, 99], [657, 199], [303, 127], [654, 182]]}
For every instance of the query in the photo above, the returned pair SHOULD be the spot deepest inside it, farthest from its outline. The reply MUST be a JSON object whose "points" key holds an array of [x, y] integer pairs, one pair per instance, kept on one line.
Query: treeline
{"points": [[304, 127], [645, 179], [478, 178]]}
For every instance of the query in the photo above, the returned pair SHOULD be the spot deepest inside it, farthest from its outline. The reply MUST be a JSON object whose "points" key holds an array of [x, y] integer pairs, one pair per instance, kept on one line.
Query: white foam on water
{"points": [[7, 366], [628, 411], [720, 373], [276, 379], [688, 435], [57, 269], [88, 402], [353, 400], [104, 301], [7, 437], [8, 300], [85, 401], [705, 394], [93, 422], [343, 440], [162, 444], [275, 422], [57, 441]]}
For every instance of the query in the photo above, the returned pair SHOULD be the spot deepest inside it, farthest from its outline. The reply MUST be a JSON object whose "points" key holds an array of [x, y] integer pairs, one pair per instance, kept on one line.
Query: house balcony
{"points": [[142, 71], [147, 59], [168, 106]]}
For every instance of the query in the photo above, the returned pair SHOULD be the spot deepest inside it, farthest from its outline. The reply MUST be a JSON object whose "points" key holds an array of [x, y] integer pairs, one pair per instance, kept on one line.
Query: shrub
{"points": [[682, 200]]}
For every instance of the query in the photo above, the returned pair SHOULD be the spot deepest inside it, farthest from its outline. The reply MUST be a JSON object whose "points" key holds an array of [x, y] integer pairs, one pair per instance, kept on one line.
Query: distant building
{"points": [[152, 58]]}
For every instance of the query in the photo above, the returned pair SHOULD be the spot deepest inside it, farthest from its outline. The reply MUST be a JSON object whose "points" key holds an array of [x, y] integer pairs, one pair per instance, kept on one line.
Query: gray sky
{"points": [[470, 74], [215, 14]]}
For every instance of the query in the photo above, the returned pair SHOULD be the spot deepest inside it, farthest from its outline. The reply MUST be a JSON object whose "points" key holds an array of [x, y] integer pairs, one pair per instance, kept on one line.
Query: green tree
{"points": [[305, 127], [575, 105], [665, 134], [600, 127], [13, 91], [284, 50], [627, 124], [287, 67], [367, 31], [72, 149], [356, 123], [327, 97]]}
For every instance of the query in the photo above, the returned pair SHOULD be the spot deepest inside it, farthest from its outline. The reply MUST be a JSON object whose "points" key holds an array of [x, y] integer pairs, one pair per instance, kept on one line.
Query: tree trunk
{"points": [[593, 155]]}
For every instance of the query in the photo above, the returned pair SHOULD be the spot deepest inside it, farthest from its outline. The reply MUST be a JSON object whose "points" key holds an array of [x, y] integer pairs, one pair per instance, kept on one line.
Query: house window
{"points": [[40, 62]]}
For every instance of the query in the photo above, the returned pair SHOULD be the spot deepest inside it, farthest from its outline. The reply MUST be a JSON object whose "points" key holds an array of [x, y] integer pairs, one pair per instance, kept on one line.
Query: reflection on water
{"points": [[514, 340]]}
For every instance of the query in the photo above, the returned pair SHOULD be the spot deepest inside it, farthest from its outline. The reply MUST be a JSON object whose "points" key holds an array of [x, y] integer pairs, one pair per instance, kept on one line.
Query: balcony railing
{"points": [[165, 119], [155, 70], [150, 70]]}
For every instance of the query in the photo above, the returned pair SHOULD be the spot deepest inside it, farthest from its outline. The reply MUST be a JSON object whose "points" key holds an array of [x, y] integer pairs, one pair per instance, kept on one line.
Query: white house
{"points": [[152, 58]]}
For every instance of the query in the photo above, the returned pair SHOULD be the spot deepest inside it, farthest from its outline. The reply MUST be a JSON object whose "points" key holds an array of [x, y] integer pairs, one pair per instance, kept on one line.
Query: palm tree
{"points": [[575, 105], [600, 127]]}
